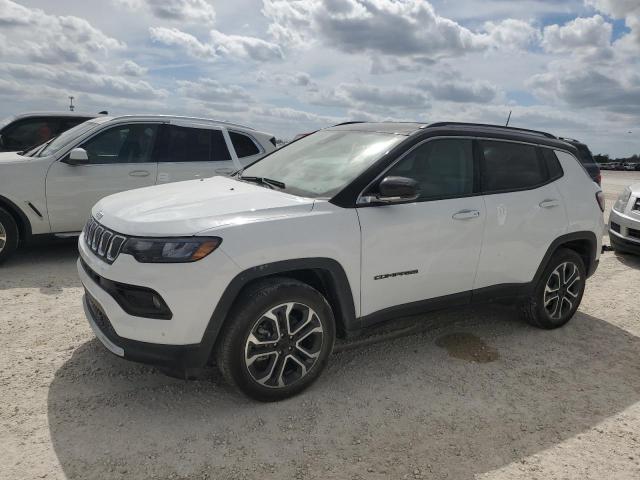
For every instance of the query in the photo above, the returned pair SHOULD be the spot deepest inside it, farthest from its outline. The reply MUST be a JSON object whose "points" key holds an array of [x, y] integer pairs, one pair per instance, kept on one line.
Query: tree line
{"points": [[604, 158]]}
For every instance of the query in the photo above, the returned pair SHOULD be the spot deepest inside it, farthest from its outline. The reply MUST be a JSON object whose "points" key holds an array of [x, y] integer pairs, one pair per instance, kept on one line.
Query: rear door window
{"points": [[243, 145], [185, 144], [509, 166]]}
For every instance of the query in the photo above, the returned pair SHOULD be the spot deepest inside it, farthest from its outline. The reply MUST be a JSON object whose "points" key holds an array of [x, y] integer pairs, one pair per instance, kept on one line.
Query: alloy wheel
{"points": [[283, 345], [562, 290], [3, 237]]}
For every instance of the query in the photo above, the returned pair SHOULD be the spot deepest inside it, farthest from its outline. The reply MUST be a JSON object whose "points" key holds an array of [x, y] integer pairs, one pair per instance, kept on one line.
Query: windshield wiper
{"points": [[264, 181]]}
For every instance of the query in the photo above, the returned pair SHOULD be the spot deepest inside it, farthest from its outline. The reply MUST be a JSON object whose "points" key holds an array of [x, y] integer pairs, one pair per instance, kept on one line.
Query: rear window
{"points": [[510, 166], [243, 145]]}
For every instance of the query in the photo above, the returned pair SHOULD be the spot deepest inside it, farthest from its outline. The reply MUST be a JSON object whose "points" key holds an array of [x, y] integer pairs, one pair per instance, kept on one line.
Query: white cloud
{"points": [[459, 90], [588, 36], [53, 39], [210, 90], [376, 26], [174, 37], [193, 11], [132, 69], [73, 80], [233, 46], [511, 34], [629, 10]]}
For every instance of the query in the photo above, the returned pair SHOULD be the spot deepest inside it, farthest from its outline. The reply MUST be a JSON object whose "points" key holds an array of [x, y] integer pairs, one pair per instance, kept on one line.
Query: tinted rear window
{"points": [[185, 144], [510, 166]]}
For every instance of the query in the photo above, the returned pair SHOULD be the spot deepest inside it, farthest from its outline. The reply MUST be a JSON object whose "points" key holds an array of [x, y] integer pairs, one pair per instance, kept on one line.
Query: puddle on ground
{"points": [[467, 346]]}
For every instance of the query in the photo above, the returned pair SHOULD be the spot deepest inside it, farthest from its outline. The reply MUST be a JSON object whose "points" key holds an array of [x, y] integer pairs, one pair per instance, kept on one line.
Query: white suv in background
{"points": [[333, 233], [51, 188]]}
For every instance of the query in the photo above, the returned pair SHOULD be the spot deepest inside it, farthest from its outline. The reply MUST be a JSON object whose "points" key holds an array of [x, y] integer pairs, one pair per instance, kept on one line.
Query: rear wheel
{"points": [[277, 339], [558, 292], [8, 235]]}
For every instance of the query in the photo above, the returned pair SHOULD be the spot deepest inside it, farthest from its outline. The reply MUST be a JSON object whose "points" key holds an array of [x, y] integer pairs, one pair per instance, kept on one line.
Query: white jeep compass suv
{"points": [[51, 188], [338, 231]]}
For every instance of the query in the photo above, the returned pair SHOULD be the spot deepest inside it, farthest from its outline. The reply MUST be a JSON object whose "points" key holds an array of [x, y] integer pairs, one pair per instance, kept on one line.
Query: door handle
{"points": [[466, 214], [549, 203], [225, 171], [139, 173]]}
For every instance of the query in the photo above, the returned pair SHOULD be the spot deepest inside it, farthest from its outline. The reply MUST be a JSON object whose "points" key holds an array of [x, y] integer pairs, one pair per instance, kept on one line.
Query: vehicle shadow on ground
{"points": [[47, 266], [629, 260], [384, 408]]}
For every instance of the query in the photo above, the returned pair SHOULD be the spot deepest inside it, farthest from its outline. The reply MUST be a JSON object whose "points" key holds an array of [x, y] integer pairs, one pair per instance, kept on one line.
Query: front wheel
{"points": [[558, 292], [277, 339], [8, 235]]}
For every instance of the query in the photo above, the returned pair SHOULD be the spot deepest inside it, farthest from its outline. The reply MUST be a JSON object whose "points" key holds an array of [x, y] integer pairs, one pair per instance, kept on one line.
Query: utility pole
{"points": [[71, 106]]}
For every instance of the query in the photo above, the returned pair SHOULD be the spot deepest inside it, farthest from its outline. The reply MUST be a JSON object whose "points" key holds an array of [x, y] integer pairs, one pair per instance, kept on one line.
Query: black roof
{"points": [[458, 128]]}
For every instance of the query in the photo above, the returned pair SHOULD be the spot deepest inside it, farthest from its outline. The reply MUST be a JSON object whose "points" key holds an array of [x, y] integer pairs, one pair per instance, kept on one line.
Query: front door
{"points": [[427, 249], [192, 151], [120, 158]]}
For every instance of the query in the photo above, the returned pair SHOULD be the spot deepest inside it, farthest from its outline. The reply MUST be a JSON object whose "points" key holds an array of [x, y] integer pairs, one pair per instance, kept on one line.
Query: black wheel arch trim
{"points": [[24, 225], [339, 291]]}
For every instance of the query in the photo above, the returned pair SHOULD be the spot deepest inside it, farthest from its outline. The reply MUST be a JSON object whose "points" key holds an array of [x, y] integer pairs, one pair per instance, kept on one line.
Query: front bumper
{"points": [[624, 231], [181, 360], [191, 291]]}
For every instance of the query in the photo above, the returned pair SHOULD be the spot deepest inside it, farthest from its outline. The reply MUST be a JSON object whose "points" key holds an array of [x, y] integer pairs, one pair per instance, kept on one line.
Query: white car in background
{"points": [[51, 188], [624, 221]]}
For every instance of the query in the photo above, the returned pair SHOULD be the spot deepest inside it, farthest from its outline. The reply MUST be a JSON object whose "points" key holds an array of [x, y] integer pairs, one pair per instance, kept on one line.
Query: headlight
{"points": [[622, 201], [170, 250]]}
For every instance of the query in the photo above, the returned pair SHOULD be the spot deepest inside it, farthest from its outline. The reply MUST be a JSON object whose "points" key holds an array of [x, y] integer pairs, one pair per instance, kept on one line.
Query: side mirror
{"points": [[77, 156], [398, 189]]}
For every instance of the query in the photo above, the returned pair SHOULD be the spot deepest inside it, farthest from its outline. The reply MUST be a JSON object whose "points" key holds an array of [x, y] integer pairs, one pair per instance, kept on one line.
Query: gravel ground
{"points": [[473, 393]]}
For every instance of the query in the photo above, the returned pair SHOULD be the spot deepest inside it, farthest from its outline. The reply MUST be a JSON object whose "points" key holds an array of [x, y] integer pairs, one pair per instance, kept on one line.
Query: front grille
{"points": [[105, 243], [615, 227], [634, 233]]}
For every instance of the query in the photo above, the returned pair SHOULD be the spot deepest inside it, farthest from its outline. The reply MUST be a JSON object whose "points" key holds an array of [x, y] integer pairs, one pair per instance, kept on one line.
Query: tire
{"points": [[253, 352], [546, 310], [8, 235]]}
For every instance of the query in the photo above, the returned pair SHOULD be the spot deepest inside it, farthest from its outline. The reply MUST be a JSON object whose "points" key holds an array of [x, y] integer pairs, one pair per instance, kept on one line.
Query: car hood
{"points": [[12, 157], [186, 208]]}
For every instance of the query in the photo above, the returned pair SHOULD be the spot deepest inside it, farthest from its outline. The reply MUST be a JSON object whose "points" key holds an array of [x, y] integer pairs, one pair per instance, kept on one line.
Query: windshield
{"points": [[64, 138], [321, 164]]}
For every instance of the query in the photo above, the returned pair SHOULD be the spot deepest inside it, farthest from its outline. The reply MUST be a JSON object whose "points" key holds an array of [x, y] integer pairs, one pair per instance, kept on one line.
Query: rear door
{"points": [[525, 211], [188, 151], [120, 158]]}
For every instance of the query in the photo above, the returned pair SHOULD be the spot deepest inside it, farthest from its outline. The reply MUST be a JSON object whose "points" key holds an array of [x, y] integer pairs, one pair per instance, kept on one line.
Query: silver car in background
{"points": [[624, 221]]}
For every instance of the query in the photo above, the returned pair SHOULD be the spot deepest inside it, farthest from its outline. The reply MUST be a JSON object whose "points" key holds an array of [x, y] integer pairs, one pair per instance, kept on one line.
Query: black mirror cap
{"points": [[74, 161], [398, 187]]}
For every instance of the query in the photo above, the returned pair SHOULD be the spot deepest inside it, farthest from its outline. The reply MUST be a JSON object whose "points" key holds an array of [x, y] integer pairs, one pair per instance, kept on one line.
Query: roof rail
{"points": [[502, 127], [348, 123], [185, 117]]}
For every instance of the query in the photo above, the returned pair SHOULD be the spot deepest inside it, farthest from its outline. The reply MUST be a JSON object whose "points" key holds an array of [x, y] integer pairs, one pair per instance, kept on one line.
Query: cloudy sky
{"points": [[286, 66]]}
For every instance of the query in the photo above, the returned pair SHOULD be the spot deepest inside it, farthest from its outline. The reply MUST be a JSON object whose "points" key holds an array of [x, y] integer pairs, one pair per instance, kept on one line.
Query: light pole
{"points": [[71, 106]]}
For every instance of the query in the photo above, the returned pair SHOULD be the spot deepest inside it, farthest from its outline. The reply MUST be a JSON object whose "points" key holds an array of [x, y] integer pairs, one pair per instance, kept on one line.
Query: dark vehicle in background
{"points": [[586, 158], [30, 129]]}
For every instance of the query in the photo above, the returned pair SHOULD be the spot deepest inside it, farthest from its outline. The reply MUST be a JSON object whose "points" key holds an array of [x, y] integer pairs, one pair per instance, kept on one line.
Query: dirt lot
{"points": [[468, 394]]}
